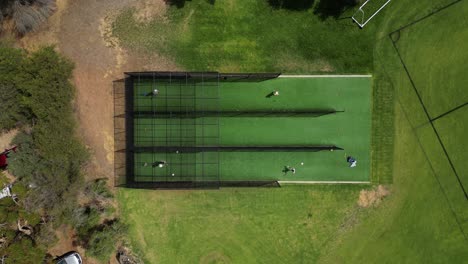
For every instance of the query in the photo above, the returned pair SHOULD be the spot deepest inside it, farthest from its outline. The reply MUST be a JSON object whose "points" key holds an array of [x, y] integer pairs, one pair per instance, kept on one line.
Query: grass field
{"points": [[452, 130], [427, 213], [424, 219], [241, 36], [437, 66], [349, 130], [260, 225]]}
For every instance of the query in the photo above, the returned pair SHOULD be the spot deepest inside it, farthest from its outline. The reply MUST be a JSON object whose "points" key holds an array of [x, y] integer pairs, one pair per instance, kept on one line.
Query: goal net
{"points": [[368, 10]]}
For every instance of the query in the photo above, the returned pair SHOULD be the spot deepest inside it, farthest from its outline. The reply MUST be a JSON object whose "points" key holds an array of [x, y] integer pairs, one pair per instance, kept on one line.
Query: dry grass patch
{"points": [[373, 197]]}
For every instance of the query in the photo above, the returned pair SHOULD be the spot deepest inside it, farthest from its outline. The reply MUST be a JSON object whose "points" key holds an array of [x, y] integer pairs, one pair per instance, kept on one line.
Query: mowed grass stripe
{"points": [[452, 130], [431, 63]]}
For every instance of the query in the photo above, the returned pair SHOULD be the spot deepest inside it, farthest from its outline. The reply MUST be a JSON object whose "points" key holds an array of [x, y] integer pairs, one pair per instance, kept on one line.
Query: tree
{"points": [[11, 61]]}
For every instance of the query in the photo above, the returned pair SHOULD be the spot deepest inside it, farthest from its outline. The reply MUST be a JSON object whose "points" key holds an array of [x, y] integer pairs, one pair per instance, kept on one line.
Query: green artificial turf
{"points": [[349, 129]]}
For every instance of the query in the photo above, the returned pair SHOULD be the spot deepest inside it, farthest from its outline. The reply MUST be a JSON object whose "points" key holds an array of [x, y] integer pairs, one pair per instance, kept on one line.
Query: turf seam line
{"points": [[425, 17], [429, 119], [433, 171], [326, 76], [448, 112], [324, 182]]}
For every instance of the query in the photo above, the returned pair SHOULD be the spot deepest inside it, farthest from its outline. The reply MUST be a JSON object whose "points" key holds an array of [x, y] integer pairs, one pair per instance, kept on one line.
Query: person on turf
{"points": [[289, 169], [159, 164], [152, 93], [352, 161], [274, 93]]}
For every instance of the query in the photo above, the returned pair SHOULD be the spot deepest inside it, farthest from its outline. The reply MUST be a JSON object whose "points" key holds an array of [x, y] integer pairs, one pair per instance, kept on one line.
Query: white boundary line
{"points": [[324, 182], [369, 19], [326, 76]]}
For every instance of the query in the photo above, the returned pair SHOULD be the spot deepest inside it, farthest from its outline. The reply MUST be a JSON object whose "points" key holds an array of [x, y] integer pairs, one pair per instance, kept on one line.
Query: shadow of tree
{"points": [[296, 5], [333, 8], [181, 3], [176, 3]]}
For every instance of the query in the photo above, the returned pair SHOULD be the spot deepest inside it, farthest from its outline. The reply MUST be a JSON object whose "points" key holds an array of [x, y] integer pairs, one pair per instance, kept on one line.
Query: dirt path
{"points": [[6, 138], [81, 30]]}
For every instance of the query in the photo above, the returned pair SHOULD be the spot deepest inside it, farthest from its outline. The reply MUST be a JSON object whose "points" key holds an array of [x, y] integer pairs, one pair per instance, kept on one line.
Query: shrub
{"points": [[98, 190], [84, 219], [11, 61], [24, 251], [26, 14], [103, 240]]}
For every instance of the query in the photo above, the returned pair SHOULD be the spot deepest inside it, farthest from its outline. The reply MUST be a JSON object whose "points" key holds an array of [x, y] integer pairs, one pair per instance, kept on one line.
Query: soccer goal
{"points": [[368, 10]]}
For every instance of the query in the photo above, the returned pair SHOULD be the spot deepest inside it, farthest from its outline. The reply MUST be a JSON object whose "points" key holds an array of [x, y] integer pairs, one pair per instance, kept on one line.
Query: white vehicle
{"points": [[70, 258], [5, 192]]}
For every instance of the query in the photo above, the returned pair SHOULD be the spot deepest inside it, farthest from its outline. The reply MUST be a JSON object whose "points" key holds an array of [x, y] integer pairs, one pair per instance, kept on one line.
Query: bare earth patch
{"points": [[65, 236], [373, 197], [66, 243], [148, 10], [6, 138]]}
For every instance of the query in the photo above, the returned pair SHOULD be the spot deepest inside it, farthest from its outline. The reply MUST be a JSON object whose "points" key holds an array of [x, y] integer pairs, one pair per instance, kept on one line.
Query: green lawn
{"points": [[415, 225], [438, 67], [452, 130], [254, 225], [241, 36], [423, 219]]}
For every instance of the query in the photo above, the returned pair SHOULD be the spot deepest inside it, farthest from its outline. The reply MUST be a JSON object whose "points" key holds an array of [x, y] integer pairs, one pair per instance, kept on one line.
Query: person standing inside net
{"points": [[153, 93], [159, 164], [274, 93], [155, 164], [352, 161], [289, 169]]}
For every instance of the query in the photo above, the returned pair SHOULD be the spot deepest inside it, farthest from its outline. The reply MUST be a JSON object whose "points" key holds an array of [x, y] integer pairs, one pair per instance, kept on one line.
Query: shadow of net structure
{"points": [[167, 129]]}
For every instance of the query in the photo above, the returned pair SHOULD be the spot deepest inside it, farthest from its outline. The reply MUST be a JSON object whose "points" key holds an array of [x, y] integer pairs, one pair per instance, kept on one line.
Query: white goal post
{"points": [[360, 16]]}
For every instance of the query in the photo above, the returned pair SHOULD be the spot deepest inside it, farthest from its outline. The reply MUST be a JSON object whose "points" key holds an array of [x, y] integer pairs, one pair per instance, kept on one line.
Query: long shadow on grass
{"points": [[296, 5], [181, 3], [333, 8], [176, 3]]}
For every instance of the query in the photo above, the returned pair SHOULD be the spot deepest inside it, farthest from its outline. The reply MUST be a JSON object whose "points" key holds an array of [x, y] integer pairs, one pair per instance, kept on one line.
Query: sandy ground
{"points": [[6, 138], [81, 30]]}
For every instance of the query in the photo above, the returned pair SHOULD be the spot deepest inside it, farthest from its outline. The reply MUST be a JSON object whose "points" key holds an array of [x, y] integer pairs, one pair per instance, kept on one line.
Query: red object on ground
{"points": [[3, 161], [4, 156]]}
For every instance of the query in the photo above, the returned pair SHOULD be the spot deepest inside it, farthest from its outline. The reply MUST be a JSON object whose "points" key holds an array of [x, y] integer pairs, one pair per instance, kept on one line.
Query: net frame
{"points": [[360, 21], [181, 93], [199, 146]]}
